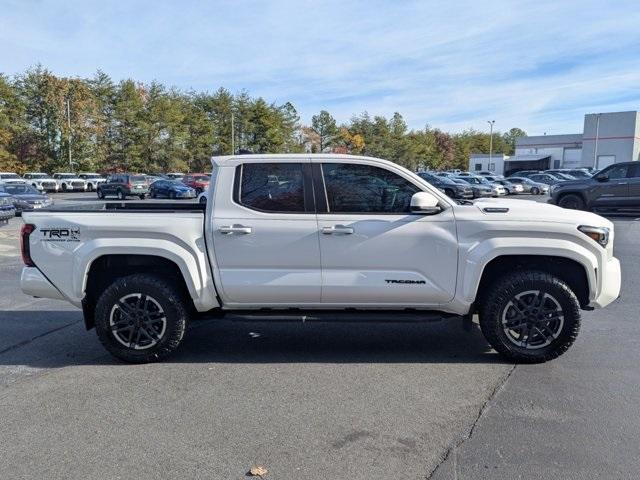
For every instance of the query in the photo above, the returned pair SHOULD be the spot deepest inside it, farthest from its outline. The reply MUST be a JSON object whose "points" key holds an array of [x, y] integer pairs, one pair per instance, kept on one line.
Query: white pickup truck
{"points": [[323, 237]]}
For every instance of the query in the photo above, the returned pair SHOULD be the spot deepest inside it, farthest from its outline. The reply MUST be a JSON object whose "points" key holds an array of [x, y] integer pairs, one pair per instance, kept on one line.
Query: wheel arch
{"points": [[571, 271]]}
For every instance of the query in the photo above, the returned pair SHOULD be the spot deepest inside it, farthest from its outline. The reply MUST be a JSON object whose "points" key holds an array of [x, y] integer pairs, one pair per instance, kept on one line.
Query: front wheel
{"points": [[100, 194], [530, 317], [535, 191], [571, 201], [141, 318], [90, 187], [121, 195]]}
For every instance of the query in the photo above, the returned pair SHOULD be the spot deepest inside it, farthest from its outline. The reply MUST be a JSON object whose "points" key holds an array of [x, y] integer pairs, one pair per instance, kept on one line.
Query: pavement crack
{"points": [[452, 450], [28, 341]]}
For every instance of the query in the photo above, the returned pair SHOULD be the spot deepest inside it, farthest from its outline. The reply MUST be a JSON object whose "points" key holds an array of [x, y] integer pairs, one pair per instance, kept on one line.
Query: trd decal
{"points": [[60, 234], [410, 282]]}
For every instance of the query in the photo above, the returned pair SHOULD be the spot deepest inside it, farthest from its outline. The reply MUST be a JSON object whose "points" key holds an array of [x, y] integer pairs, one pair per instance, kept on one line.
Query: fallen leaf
{"points": [[258, 471]]}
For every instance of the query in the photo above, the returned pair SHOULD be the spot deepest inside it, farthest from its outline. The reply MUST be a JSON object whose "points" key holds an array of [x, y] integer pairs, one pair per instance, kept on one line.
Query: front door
{"points": [[615, 190], [266, 237], [374, 251]]}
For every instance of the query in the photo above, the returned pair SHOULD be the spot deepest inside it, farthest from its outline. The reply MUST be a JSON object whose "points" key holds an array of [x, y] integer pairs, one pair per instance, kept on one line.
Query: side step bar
{"points": [[353, 315]]}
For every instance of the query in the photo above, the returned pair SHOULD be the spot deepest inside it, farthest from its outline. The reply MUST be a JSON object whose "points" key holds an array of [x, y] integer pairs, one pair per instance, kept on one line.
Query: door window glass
{"points": [[617, 171], [272, 187], [353, 188]]}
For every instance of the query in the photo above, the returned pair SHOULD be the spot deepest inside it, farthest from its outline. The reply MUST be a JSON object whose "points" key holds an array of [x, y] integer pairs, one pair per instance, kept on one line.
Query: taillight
{"points": [[129, 185], [25, 248]]}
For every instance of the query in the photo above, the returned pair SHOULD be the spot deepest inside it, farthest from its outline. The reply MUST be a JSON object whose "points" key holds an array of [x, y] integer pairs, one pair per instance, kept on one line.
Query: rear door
{"points": [[374, 251], [634, 185], [265, 234]]}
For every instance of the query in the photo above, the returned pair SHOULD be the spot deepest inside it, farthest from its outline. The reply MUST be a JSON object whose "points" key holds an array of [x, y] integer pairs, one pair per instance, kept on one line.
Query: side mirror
{"points": [[602, 177], [423, 203]]}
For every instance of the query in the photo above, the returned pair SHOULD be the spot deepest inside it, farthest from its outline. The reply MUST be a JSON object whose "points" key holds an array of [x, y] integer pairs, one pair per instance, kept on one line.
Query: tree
{"points": [[325, 127], [510, 139]]}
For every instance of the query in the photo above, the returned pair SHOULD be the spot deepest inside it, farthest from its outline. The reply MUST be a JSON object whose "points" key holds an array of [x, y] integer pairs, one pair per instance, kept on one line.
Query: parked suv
{"points": [[41, 181], [615, 187], [69, 182], [123, 185], [9, 177], [93, 180], [448, 186], [198, 181]]}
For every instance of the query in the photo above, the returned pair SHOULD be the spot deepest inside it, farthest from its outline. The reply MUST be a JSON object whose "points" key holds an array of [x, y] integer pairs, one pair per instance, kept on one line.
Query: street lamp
{"points": [[490, 122]]}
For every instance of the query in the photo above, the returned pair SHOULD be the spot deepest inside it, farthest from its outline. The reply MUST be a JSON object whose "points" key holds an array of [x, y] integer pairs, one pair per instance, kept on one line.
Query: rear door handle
{"points": [[227, 230], [337, 229]]}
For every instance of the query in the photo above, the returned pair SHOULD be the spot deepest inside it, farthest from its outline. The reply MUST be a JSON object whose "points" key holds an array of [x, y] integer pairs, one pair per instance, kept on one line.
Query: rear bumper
{"points": [[610, 283], [34, 283]]}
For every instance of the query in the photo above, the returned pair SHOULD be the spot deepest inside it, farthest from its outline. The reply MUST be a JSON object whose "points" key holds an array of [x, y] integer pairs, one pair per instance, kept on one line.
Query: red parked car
{"points": [[197, 181]]}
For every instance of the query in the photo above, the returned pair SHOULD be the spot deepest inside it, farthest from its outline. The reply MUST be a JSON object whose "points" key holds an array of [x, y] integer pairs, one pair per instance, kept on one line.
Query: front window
{"points": [[271, 187], [617, 171], [353, 188]]}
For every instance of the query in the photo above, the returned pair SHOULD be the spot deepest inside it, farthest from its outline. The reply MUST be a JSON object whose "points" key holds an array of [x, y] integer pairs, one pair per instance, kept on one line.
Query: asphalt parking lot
{"points": [[316, 401]]}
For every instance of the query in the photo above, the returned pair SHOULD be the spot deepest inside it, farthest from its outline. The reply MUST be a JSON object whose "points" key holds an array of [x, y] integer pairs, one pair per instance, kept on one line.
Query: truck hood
{"points": [[531, 211]]}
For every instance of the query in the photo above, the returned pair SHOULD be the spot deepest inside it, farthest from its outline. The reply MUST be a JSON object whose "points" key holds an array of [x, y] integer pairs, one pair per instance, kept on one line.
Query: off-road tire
{"points": [[168, 295], [504, 290], [571, 201]]}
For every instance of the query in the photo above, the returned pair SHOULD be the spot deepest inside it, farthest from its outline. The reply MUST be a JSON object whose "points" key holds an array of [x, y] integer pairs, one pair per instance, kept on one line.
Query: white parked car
{"points": [[323, 237], [42, 181], [70, 182], [10, 177], [93, 180]]}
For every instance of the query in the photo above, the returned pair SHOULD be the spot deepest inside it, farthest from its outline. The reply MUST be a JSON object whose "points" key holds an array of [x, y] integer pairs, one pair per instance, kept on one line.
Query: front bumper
{"points": [[610, 282], [34, 283]]}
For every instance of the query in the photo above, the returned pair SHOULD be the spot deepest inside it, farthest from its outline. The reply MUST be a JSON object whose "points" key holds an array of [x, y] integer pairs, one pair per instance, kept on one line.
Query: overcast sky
{"points": [[539, 65]]}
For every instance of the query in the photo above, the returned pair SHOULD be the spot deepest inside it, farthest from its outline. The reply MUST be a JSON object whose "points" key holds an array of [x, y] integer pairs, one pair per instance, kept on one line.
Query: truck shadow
{"points": [[55, 339]]}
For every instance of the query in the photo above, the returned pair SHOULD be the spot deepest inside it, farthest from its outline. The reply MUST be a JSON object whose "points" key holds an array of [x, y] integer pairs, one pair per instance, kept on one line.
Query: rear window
{"points": [[271, 187], [138, 178]]}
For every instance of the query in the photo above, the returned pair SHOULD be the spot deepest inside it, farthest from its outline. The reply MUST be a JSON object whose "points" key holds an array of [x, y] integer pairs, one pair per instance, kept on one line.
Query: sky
{"points": [[538, 65]]}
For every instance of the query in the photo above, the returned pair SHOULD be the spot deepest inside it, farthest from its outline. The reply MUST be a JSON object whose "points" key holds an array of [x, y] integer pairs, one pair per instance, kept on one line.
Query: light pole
{"points": [[233, 136], [490, 122], [69, 134]]}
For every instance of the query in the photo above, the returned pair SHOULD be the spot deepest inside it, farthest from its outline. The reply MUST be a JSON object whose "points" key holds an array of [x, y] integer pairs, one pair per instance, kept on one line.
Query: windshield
{"points": [[38, 175], [9, 176], [91, 175], [20, 189], [66, 175]]}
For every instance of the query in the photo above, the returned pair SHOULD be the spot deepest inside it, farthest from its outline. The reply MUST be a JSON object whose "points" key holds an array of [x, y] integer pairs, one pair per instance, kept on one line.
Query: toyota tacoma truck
{"points": [[329, 237]]}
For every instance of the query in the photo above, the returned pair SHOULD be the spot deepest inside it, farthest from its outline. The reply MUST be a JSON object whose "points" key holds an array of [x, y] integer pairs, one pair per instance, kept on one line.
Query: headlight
{"points": [[599, 234], [5, 201]]}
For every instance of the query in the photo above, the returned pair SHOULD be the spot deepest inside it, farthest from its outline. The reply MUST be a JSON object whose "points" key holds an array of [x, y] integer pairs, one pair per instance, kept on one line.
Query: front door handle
{"points": [[227, 230], [337, 229]]}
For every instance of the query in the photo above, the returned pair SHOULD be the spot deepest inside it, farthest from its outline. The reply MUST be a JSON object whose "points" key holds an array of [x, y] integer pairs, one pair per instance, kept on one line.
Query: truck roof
{"points": [[237, 159]]}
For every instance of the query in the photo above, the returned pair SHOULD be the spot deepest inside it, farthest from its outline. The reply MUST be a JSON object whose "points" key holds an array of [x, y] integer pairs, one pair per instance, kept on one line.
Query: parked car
{"points": [[9, 177], [360, 235], [198, 181], [7, 210], [70, 182], [529, 186], [123, 185], [171, 189], [576, 173], [42, 181], [448, 186], [203, 197], [486, 173], [174, 175], [93, 180], [496, 189], [511, 188], [615, 187], [25, 197], [480, 190], [545, 178], [524, 173]]}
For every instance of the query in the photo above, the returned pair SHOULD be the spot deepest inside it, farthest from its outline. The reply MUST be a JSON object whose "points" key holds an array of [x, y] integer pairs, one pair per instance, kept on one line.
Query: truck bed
{"points": [[130, 207]]}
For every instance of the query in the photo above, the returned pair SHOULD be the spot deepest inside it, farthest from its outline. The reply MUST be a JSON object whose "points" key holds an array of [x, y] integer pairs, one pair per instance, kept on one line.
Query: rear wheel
{"points": [[121, 195], [571, 201], [141, 318], [142, 197], [530, 317]]}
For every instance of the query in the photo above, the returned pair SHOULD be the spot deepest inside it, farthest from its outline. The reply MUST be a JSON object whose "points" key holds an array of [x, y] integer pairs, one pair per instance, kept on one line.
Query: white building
{"points": [[607, 138]]}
